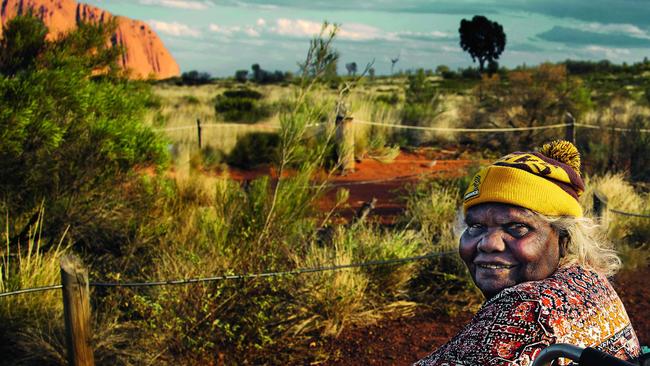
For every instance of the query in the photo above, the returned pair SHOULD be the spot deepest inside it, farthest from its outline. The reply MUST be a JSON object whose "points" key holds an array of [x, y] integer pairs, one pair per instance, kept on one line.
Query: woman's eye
{"points": [[474, 229], [518, 230]]}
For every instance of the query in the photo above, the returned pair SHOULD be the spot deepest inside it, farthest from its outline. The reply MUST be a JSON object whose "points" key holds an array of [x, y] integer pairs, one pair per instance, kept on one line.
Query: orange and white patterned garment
{"points": [[574, 305]]}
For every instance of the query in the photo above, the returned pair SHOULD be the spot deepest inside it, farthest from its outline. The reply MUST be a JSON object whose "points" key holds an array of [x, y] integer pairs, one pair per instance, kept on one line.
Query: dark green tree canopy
{"points": [[71, 126], [23, 40], [482, 38]]}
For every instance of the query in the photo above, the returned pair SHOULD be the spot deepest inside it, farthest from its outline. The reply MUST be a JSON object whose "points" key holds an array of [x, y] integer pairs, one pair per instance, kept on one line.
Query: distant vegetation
{"points": [[83, 171]]}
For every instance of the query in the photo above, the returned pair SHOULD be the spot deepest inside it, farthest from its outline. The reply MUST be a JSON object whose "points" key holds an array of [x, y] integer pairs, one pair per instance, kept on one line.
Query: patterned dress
{"points": [[574, 305]]}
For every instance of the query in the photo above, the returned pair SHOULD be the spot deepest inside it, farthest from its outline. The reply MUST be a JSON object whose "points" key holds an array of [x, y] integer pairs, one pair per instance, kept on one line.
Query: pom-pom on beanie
{"points": [[547, 181]]}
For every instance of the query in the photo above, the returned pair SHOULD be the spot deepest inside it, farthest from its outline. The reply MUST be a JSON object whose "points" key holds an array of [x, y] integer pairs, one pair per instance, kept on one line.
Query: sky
{"points": [[222, 36]]}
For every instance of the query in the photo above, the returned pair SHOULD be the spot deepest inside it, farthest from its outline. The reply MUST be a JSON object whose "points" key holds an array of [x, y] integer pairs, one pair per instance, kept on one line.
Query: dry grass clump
{"points": [[629, 233], [31, 322]]}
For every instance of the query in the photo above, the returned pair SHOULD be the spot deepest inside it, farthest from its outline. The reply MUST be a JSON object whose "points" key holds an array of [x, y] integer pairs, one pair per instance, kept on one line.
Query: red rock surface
{"points": [[146, 55]]}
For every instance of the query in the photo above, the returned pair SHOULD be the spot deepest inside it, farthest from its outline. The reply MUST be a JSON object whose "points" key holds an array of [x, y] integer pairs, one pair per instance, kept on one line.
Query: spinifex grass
{"points": [[28, 266]]}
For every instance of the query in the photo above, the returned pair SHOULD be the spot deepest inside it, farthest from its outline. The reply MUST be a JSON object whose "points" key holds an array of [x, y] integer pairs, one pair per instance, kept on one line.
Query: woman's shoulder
{"points": [[575, 305], [569, 287]]}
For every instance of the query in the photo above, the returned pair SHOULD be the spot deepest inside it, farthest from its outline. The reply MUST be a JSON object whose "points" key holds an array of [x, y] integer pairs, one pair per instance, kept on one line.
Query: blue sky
{"points": [[221, 36]]}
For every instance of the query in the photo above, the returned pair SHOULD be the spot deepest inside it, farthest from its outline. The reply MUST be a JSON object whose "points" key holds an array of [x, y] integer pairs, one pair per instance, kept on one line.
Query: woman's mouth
{"points": [[494, 266]]}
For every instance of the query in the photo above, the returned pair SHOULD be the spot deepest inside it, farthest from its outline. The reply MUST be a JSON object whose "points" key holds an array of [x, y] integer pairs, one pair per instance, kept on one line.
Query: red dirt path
{"points": [[403, 341], [384, 181]]}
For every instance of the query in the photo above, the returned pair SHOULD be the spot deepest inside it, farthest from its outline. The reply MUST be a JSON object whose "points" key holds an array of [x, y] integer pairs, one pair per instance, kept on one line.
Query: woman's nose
{"points": [[492, 241]]}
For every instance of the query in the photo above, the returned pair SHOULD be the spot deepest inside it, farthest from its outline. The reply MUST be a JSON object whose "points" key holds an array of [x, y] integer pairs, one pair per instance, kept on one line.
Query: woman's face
{"points": [[505, 245]]}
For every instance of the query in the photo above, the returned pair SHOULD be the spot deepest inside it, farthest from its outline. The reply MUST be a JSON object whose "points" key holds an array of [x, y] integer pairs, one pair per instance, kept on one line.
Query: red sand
{"points": [[384, 181]]}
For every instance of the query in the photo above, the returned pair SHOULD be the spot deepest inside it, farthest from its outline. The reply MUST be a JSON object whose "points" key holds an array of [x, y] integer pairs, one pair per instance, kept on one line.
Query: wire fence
{"points": [[187, 281], [601, 205], [420, 128], [629, 214]]}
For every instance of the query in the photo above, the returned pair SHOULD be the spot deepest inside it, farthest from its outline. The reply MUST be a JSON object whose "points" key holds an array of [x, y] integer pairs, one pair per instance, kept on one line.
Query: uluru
{"points": [[145, 54]]}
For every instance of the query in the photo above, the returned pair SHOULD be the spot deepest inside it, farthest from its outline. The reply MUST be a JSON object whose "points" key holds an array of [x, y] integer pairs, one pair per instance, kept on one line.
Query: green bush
{"points": [[390, 99], [68, 135], [243, 93], [421, 106], [254, 149], [242, 105]]}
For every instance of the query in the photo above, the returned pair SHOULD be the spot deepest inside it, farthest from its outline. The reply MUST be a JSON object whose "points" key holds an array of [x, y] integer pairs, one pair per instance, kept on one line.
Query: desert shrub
{"points": [[243, 93], [622, 196], [262, 76], [23, 37], [189, 99], [390, 99], [254, 149], [470, 73], [25, 319], [606, 150], [70, 136], [529, 98], [422, 105], [432, 209], [194, 78], [334, 300], [241, 105]]}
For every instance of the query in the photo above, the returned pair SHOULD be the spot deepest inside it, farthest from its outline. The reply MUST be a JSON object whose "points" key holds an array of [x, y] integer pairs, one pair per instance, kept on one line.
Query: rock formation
{"points": [[145, 54]]}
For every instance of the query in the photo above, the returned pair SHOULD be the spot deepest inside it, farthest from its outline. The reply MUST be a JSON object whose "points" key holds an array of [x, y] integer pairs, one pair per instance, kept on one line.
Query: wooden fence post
{"points": [[76, 311], [198, 127], [599, 206], [570, 132], [345, 143]]}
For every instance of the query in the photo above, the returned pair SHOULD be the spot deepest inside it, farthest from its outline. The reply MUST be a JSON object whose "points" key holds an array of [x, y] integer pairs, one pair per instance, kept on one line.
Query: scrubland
{"points": [[155, 206]]}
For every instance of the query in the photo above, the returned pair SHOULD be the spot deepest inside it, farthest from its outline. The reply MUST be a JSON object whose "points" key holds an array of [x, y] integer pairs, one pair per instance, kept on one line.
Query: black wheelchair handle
{"points": [[593, 357], [585, 357]]}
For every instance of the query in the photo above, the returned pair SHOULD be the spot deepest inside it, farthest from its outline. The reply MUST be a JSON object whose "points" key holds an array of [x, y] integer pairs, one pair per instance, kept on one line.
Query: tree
{"points": [[241, 76], [352, 68], [23, 39], [371, 73], [482, 38], [194, 77]]}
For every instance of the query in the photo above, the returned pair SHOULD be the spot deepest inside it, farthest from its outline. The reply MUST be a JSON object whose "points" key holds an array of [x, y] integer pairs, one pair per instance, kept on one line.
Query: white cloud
{"points": [[181, 4], [432, 34], [261, 22], [611, 53], [450, 49], [225, 30], [347, 31], [174, 28], [251, 32], [231, 30], [360, 32], [308, 28], [627, 29], [296, 28]]}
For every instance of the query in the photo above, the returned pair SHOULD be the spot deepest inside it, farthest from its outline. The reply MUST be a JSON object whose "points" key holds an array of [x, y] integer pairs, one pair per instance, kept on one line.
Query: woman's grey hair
{"points": [[582, 240], [586, 244]]}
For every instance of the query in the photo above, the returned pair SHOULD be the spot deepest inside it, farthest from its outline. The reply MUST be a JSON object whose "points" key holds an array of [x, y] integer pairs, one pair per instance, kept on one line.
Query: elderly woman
{"points": [[541, 265]]}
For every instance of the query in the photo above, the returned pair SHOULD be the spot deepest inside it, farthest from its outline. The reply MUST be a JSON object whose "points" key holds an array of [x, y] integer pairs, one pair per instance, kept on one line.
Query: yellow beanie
{"points": [[547, 182]]}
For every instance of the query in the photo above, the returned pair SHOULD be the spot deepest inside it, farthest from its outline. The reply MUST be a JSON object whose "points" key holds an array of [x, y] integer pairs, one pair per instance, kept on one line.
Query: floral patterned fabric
{"points": [[574, 306]]}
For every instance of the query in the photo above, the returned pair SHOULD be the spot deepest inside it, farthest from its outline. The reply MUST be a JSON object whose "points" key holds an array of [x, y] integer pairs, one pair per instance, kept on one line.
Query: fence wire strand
{"points": [[30, 290], [453, 129], [630, 214], [617, 129], [382, 262]]}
